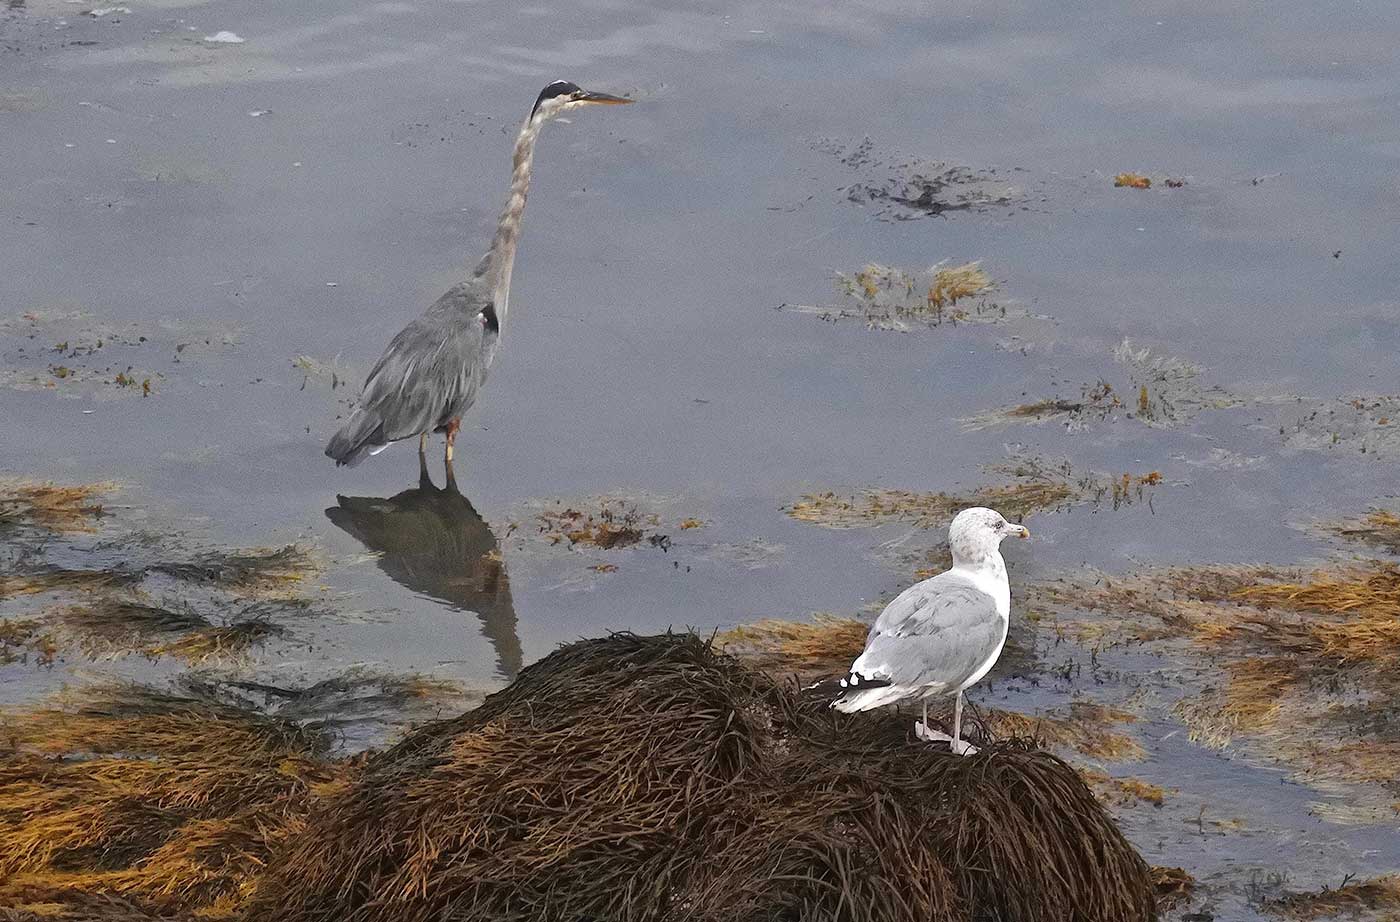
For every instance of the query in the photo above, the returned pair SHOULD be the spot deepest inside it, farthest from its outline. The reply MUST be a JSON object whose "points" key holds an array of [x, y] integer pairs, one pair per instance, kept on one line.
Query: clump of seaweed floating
{"points": [[874, 507], [108, 623], [596, 527], [57, 508], [356, 698], [1033, 490], [1328, 619], [116, 625], [893, 298], [114, 616], [1132, 181], [905, 188], [23, 638], [1354, 899], [615, 523], [1379, 528], [1032, 486], [156, 801], [1126, 791], [44, 578], [1174, 886], [1096, 403], [1161, 391], [1086, 728], [886, 298], [1168, 390], [43, 510], [139, 594], [258, 572], [610, 527], [1316, 648], [651, 778], [219, 641]]}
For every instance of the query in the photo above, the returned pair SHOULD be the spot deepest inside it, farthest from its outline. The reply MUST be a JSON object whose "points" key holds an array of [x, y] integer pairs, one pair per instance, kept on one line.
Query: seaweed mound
{"points": [[139, 803], [653, 778]]}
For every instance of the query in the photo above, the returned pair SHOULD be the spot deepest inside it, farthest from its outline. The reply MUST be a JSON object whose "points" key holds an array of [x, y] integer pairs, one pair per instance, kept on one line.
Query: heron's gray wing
{"points": [[434, 367], [939, 633]]}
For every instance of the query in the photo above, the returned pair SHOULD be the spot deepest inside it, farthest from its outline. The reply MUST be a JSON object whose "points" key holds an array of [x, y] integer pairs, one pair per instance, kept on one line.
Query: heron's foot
{"points": [[930, 735], [962, 748]]}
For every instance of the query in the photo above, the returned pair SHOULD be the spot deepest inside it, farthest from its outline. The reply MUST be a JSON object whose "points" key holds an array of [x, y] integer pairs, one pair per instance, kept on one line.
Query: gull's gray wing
{"points": [[939, 633]]}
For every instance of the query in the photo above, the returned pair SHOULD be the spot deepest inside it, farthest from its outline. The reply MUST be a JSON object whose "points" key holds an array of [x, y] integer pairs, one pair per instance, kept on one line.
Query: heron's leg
{"points": [[451, 429], [425, 480], [423, 443]]}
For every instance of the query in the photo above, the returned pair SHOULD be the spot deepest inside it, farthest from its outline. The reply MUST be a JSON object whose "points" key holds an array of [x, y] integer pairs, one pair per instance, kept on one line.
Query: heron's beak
{"points": [[605, 99]]}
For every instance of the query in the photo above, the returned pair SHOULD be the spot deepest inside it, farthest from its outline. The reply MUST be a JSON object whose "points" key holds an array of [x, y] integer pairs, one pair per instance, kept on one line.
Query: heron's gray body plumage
{"points": [[430, 373], [936, 638]]}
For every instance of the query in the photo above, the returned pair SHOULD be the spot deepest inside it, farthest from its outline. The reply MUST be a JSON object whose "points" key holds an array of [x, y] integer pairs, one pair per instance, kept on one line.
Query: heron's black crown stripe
{"points": [[557, 88]]}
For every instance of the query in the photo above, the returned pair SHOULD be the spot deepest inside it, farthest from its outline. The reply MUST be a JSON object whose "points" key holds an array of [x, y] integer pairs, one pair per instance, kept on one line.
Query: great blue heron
{"points": [[940, 636], [433, 369]]}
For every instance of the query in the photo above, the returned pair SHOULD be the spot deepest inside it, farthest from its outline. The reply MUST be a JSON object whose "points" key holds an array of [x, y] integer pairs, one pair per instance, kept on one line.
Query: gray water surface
{"points": [[206, 196]]}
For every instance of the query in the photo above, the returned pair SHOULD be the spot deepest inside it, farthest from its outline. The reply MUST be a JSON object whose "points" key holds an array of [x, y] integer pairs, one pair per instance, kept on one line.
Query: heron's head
{"points": [[976, 532], [562, 96]]}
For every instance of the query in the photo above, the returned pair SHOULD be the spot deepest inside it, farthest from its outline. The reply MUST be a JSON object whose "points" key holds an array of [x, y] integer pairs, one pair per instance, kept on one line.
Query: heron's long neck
{"points": [[500, 259]]}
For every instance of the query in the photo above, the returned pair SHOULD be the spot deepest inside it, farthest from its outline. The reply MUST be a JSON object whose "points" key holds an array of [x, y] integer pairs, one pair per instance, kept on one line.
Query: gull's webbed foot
{"points": [[930, 735], [962, 748]]}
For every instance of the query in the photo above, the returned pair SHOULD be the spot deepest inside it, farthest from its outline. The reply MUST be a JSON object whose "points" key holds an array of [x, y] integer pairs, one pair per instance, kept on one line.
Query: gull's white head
{"points": [[976, 534], [562, 96]]}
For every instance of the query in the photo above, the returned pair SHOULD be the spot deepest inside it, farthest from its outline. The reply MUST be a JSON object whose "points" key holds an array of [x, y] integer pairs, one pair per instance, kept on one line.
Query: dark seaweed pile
{"points": [[652, 778]]}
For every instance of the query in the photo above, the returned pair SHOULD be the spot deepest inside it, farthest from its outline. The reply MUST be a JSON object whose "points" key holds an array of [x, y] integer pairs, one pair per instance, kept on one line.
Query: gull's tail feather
{"points": [[858, 693], [825, 690], [362, 435], [869, 698]]}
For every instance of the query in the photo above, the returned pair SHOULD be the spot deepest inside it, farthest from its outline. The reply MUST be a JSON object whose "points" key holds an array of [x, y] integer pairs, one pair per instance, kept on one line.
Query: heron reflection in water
{"points": [[433, 541]]}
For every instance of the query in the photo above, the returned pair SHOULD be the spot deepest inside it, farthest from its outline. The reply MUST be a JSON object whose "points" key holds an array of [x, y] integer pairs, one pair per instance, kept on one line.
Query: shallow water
{"points": [[206, 196]]}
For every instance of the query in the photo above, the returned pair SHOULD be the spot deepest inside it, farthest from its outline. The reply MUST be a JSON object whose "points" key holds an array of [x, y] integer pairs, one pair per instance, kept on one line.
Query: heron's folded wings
{"points": [[433, 368]]}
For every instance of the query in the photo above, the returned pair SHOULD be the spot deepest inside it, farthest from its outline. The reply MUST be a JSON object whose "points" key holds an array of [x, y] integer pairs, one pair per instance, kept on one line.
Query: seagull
{"points": [[941, 636]]}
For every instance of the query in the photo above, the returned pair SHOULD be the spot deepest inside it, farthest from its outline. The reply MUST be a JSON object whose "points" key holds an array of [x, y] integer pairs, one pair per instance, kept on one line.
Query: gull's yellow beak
{"points": [[1022, 531], [604, 99]]}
